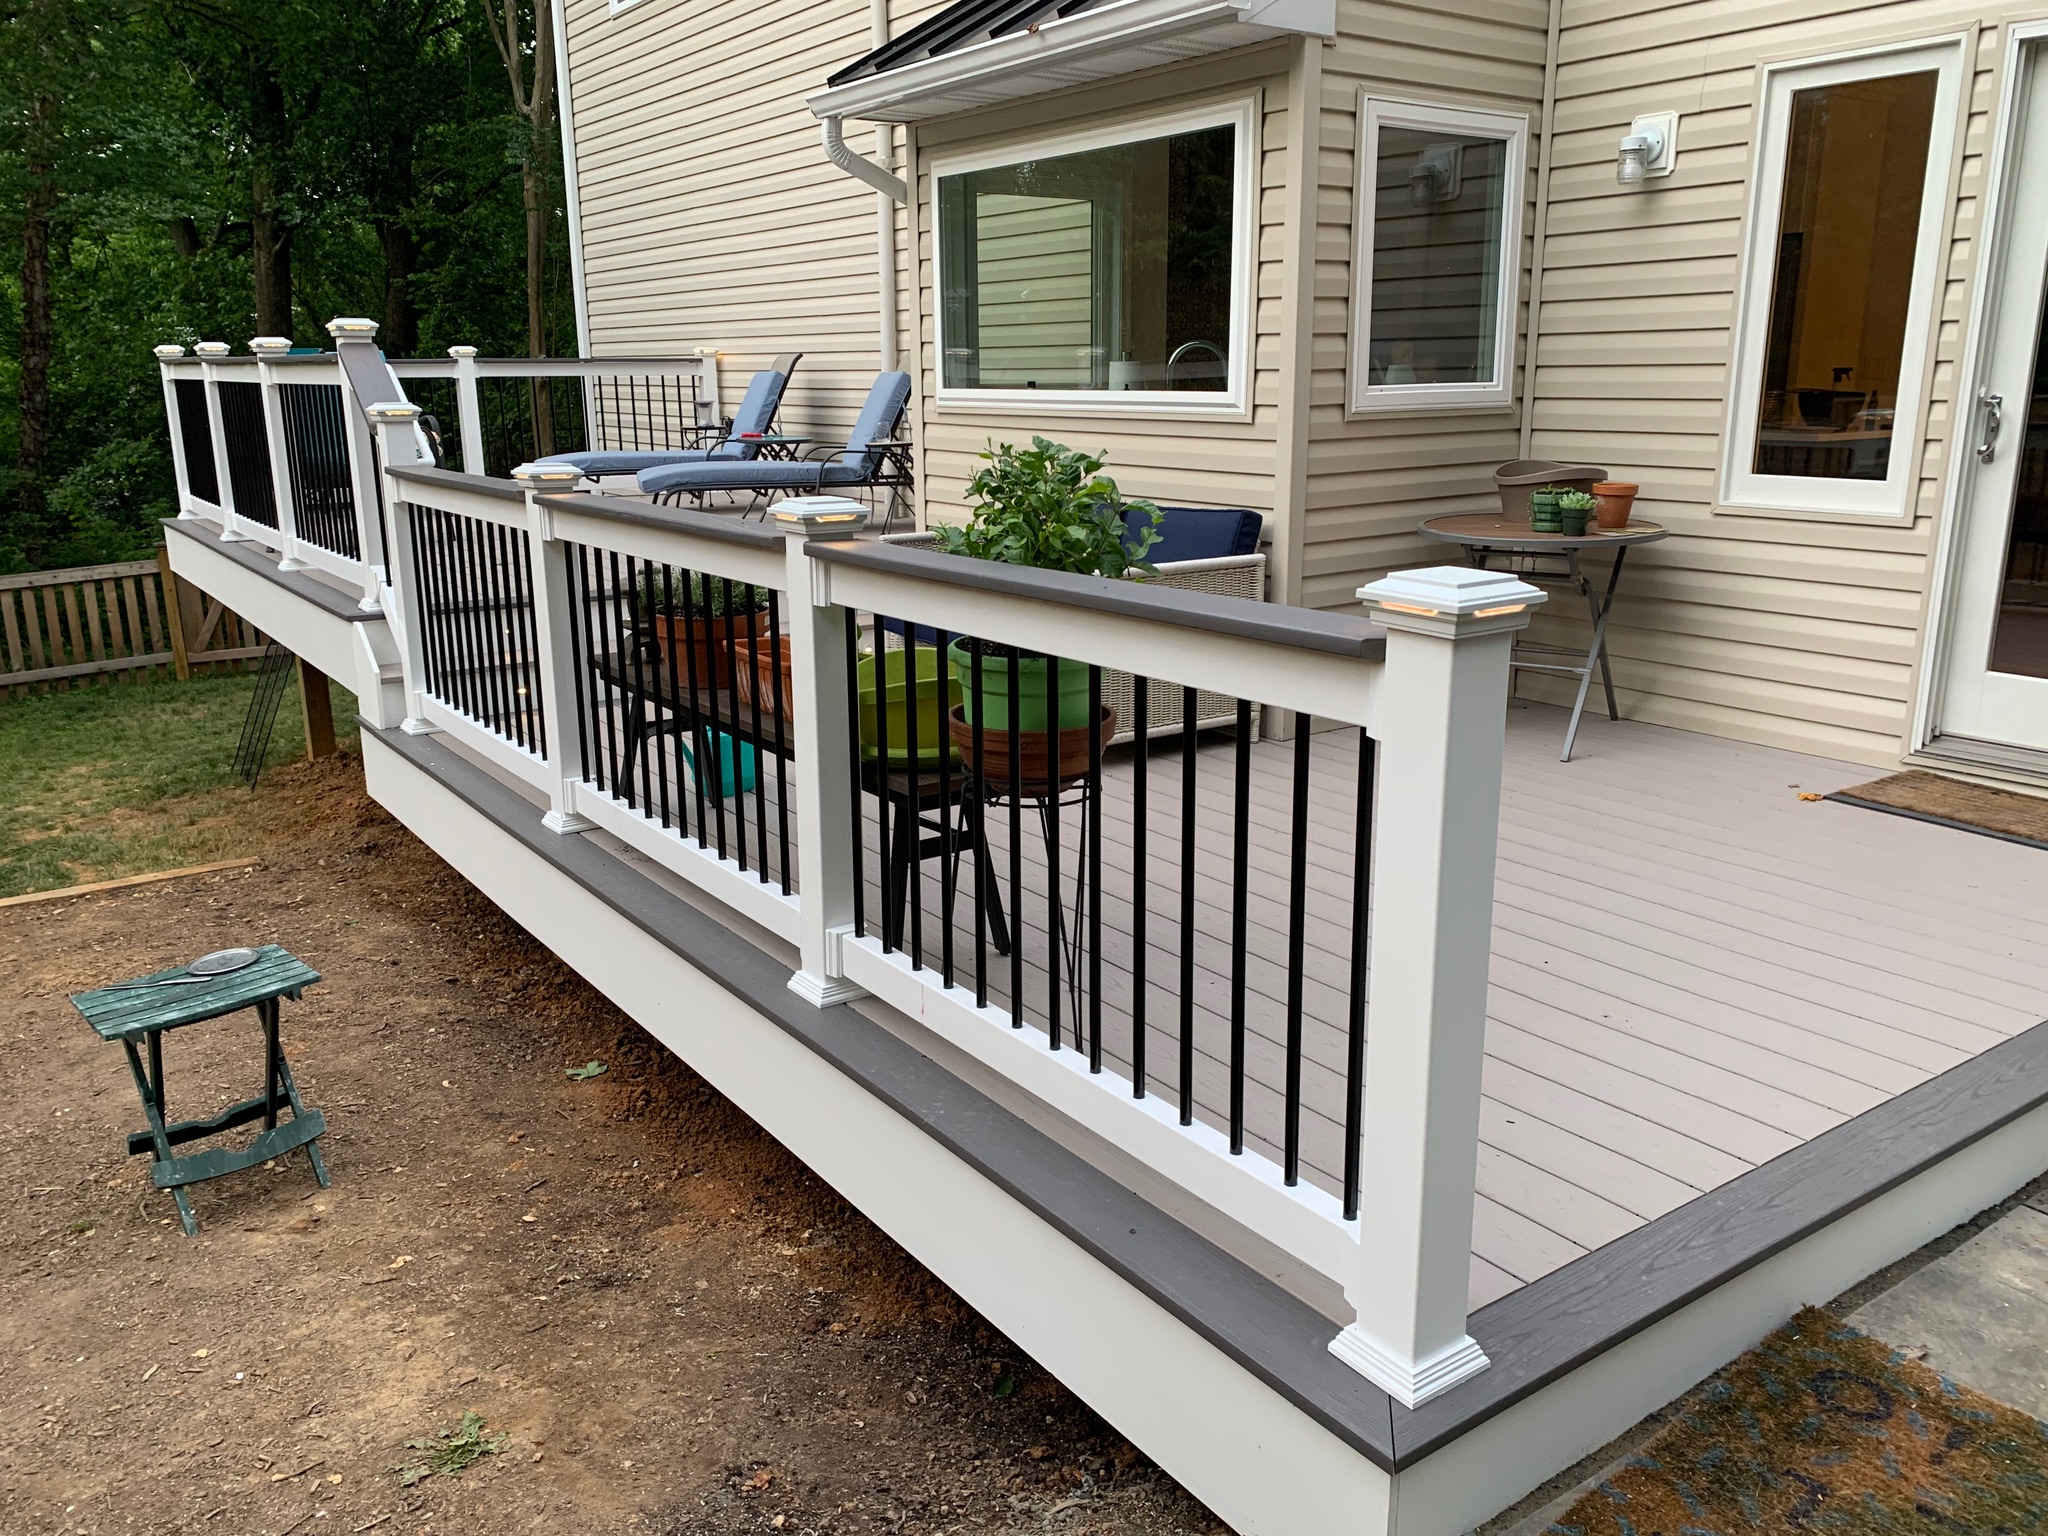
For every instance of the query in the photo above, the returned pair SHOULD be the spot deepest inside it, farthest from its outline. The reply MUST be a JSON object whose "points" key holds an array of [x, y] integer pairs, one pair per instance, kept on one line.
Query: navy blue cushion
{"points": [[1198, 533]]}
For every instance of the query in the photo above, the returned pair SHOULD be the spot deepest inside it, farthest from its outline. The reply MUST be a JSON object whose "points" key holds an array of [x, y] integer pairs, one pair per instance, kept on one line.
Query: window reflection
{"points": [[1109, 269], [1855, 170], [1438, 207]]}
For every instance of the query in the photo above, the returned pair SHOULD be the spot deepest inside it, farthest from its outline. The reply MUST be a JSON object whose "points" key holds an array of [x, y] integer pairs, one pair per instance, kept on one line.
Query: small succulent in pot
{"points": [[1574, 511]]}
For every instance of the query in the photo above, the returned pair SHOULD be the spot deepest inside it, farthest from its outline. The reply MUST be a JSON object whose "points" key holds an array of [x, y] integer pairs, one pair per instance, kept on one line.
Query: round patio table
{"points": [[1496, 543]]}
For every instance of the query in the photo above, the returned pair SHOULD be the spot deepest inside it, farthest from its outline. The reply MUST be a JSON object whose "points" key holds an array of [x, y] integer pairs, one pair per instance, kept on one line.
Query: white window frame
{"points": [[1891, 499], [1375, 112], [613, 7], [1235, 398]]}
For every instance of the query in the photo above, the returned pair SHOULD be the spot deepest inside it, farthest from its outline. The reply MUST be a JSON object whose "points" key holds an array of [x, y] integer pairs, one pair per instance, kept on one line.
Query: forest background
{"points": [[214, 170]]}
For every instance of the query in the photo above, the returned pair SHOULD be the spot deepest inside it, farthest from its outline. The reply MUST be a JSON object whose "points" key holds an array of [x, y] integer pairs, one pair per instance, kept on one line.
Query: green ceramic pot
{"points": [[1544, 516], [1031, 691]]}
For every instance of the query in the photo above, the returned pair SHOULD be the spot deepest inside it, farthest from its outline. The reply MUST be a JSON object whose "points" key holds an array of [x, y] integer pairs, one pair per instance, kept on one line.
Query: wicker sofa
{"points": [[1200, 549]]}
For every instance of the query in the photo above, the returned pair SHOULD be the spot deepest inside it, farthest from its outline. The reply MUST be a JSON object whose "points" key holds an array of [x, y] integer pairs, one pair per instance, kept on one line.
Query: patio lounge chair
{"points": [[856, 466], [755, 416]]}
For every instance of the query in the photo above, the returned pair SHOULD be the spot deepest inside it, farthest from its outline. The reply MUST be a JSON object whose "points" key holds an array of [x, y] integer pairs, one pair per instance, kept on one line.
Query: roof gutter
{"points": [[859, 165]]}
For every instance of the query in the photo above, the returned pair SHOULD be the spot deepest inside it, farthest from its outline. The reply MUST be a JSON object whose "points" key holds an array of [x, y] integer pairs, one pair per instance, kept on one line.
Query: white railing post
{"points": [[468, 400], [365, 488], [1440, 723], [398, 438], [271, 395], [553, 622], [167, 354], [209, 353], [819, 658]]}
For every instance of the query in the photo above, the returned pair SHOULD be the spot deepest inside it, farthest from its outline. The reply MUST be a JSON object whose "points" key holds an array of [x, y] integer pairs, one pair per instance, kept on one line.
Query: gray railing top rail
{"points": [[643, 514], [1304, 629], [455, 480], [549, 367]]}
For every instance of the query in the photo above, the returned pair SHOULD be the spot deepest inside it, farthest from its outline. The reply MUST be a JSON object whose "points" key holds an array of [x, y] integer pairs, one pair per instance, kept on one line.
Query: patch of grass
{"points": [[131, 778], [451, 1450]]}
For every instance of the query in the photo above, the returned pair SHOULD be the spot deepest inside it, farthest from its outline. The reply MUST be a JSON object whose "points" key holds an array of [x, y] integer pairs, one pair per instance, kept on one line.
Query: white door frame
{"points": [[1943, 588]]}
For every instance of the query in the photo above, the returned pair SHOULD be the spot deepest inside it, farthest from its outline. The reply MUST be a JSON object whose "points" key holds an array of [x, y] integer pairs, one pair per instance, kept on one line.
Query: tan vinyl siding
{"points": [[1222, 462], [710, 215], [1787, 630], [1372, 476]]}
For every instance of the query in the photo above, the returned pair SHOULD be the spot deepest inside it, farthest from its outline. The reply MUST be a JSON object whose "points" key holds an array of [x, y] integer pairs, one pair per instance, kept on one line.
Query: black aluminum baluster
{"points": [[490, 568], [730, 787], [639, 581], [653, 664], [1016, 845], [979, 853], [1141, 745], [913, 825], [529, 650], [1354, 1044], [780, 715], [1049, 819], [1093, 815], [1187, 907], [572, 562], [892, 915], [616, 704], [708, 764], [757, 737], [694, 590], [1240, 881], [940, 640], [858, 820], [1297, 922]]}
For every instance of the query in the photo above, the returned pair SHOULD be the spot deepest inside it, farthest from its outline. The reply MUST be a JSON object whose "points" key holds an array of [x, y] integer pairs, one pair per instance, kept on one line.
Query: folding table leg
{"points": [[281, 1088], [151, 1086]]}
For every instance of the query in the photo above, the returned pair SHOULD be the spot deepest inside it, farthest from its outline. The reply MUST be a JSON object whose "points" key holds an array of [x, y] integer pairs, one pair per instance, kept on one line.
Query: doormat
{"points": [[2001, 813], [1824, 1429]]}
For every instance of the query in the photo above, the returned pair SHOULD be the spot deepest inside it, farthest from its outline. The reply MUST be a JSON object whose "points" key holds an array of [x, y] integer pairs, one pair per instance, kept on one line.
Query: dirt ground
{"points": [[676, 1327]]}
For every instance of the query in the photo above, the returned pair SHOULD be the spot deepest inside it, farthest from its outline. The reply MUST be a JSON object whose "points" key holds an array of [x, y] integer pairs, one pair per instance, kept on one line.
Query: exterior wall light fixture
{"points": [[1436, 175], [1650, 148]]}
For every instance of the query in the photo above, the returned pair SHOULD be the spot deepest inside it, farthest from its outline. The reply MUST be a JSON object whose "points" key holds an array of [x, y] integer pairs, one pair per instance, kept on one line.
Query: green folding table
{"points": [[137, 1014]]}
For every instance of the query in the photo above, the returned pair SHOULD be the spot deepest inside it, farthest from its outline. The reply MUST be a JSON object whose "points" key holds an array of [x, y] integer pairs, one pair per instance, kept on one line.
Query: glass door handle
{"points": [[1994, 412]]}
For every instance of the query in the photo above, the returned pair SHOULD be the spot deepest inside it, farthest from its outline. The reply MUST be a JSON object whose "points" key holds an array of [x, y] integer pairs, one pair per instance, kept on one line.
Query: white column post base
{"points": [[293, 563], [567, 821], [1408, 1382], [413, 725], [824, 991], [229, 536]]}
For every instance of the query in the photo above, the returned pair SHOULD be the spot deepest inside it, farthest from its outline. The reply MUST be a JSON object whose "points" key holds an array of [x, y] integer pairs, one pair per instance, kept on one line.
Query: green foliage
{"points": [[451, 1450], [1051, 507], [368, 139], [1575, 501]]}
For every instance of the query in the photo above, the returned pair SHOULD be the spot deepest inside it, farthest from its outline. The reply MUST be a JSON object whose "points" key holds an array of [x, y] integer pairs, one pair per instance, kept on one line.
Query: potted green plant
{"points": [[694, 619], [1574, 511], [1050, 507], [1543, 510]]}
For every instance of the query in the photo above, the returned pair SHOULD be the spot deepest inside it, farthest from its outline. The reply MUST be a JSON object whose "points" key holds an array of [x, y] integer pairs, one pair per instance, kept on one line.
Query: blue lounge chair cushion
{"points": [[757, 411], [857, 465], [1199, 533]]}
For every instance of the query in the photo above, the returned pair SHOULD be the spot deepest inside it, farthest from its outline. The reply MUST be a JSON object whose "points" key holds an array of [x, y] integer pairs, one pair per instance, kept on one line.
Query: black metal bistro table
{"points": [[1495, 543], [138, 1013]]}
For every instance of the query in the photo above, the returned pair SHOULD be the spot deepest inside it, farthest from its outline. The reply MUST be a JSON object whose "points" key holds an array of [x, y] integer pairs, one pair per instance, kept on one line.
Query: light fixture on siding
{"points": [[1435, 175], [1650, 148]]}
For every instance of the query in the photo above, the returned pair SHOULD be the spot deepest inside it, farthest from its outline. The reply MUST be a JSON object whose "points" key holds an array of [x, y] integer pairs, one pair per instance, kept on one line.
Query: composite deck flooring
{"points": [[1693, 970]]}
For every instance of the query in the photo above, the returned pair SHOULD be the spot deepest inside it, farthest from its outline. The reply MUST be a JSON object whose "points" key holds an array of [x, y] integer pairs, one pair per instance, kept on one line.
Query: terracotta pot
{"points": [[1033, 750], [755, 659], [1612, 500], [701, 644]]}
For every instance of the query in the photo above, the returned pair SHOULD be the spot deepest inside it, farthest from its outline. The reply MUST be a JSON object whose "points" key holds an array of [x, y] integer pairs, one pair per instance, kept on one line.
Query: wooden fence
{"points": [[95, 623]]}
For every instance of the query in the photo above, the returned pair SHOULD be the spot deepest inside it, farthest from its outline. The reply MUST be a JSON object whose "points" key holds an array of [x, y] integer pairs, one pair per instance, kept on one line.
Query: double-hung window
{"points": [[1838, 284], [1438, 223], [1103, 271]]}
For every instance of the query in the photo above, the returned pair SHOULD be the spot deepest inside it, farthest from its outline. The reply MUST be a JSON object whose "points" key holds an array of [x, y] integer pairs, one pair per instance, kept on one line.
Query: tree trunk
{"points": [[33, 452], [401, 330], [534, 178], [270, 235]]}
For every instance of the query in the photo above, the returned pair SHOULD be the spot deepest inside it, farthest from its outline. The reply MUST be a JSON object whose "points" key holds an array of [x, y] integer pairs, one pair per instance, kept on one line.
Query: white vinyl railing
{"points": [[1256, 966]]}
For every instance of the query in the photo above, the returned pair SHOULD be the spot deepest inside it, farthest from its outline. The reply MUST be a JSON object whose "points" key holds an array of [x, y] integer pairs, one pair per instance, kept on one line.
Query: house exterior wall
{"points": [[1798, 631], [1196, 460], [1373, 476], [709, 213]]}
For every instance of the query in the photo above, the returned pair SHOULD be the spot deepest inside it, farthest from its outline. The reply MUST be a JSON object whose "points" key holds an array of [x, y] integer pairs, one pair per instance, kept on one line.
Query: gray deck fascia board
{"points": [[1558, 1322], [1303, 629], [1278, 1338], [644, 514], [254, 558]]}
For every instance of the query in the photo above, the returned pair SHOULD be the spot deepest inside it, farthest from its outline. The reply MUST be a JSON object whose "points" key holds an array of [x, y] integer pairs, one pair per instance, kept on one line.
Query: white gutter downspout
{"points": [[885, 205], [1539, 238], [572, 195]]}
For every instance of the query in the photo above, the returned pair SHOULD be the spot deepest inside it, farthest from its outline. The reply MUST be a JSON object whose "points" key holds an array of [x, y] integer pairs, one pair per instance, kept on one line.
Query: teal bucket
{"points": [[726, 784]]}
